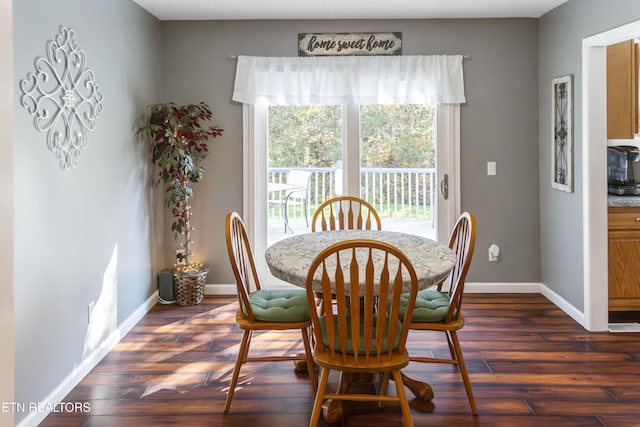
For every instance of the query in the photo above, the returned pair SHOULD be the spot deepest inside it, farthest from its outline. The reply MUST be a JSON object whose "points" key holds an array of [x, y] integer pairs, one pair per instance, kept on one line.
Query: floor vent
{"points": [[624, 327]]}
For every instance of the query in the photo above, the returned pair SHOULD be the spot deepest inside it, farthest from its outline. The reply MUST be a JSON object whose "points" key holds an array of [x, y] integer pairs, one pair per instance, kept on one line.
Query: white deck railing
{"points": [[396, 193]]}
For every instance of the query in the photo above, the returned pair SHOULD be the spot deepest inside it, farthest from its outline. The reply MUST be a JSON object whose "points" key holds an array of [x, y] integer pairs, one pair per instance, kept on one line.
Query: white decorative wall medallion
{"points": [[63, 97]]}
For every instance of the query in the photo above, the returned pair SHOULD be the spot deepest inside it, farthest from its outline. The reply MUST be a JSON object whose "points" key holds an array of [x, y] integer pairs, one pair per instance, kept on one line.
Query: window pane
{"points": [[397, 160], [301, 138]]}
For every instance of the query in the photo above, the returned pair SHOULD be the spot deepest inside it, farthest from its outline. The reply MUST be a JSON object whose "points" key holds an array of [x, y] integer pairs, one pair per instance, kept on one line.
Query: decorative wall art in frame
{"points": [[63, 97], [562, 133]]}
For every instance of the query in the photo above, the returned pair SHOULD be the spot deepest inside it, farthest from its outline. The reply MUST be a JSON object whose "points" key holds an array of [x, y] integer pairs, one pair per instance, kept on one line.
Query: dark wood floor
{"points": [[530, 365]]}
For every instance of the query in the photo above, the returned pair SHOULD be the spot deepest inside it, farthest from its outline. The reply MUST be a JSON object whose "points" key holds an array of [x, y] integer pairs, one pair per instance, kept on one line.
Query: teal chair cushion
{"points": [[280, 305], [431, 306], [385, 344]]}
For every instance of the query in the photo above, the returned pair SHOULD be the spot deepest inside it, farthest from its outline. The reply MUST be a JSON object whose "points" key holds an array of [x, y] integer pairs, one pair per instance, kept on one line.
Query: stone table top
{"points": [[289, 259]]}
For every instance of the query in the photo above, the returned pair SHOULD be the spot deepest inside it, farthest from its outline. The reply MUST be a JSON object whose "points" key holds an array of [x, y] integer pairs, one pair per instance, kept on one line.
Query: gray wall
{"points": [[560, 38], [86, 234], [499, 123]]}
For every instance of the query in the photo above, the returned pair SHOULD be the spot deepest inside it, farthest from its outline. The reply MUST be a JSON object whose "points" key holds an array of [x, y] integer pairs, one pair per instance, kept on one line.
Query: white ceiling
{"points": [[167, 10]]}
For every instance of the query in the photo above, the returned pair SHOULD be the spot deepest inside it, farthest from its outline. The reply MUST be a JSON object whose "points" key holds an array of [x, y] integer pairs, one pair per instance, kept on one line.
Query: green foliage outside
{"points": [[392, 136], [397, 136], [305, 136]]}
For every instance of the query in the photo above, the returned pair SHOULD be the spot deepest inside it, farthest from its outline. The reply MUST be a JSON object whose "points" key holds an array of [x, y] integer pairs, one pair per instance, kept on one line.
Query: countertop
{"points": [[623, 201]]}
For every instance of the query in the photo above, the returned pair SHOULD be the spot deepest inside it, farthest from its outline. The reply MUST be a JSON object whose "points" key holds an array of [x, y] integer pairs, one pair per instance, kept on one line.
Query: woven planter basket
{"points": [[188, 286]]}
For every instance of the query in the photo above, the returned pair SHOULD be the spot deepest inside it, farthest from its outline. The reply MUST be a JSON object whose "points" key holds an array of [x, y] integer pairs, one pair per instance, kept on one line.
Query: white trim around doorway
{"points": [[594, 208]]}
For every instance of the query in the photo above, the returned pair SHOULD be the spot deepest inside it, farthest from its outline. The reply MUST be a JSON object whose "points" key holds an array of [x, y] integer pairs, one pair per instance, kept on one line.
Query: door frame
{"points": [[594, 156], [448, 148]]}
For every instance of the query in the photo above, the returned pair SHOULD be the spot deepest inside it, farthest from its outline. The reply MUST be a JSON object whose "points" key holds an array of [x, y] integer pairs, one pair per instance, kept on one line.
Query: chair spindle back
{"points": [[345, 213], [366, 299], [462, 242], [242, 264]]}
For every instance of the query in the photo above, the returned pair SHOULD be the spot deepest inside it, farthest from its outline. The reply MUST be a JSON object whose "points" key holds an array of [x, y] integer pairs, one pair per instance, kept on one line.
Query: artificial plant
{"points": [[178, 138]]}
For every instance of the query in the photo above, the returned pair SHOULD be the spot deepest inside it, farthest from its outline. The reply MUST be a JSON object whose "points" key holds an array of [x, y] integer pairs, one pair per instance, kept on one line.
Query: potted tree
{"points": [[178, 138]]}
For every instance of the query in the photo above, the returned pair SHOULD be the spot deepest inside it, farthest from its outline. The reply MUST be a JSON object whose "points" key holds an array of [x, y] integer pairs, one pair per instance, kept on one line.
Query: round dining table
{"points": [[289, 260]]}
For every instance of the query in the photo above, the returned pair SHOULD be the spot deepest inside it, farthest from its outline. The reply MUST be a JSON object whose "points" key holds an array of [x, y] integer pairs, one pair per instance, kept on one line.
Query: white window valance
{"points": [[411, 79]]}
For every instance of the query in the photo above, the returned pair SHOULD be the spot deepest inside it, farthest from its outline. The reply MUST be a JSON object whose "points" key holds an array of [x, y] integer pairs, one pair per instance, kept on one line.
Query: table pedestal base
{"points": [[422, 391], [332, 409], [300, 365]]}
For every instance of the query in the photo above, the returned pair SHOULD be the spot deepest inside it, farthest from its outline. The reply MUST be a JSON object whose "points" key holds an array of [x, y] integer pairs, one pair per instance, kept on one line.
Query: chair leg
{"points": [[463, 372], [402, 395], [452, 348], [317, 404], [242, 354], [383, 388], [311, 366]]}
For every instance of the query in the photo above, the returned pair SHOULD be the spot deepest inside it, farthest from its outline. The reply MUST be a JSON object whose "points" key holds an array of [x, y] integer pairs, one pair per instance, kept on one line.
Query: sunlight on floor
{"points": [[103, 314], [212, 368]]}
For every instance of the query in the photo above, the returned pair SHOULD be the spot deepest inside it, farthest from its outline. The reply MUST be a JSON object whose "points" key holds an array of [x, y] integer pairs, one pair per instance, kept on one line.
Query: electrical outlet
{"points": [[494, 251], [92, 305]]}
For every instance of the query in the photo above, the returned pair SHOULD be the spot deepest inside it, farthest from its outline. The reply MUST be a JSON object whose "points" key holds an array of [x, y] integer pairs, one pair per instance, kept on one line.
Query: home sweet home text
{"points": [[328, 44]]}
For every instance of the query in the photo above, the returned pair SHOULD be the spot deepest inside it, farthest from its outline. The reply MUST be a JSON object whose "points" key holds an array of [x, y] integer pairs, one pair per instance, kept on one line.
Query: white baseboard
{"points": [[536, 288], [74, 378], [565, 306], [470, 287], [220, 290], [223, 289], [507, 288]]}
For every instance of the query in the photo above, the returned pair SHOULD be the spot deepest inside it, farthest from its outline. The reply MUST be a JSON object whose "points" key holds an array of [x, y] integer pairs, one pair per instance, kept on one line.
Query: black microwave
{"points": [[623, 170]]}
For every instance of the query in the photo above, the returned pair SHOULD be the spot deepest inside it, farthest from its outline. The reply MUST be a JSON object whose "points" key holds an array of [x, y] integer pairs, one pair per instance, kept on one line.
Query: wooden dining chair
{"points": [[352, 336], [441, 309], [263, 309], [345, 213]]}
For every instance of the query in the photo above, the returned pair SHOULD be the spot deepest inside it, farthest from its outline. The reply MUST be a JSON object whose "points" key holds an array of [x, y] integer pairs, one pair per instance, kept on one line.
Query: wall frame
{"points": [[562, 133]]}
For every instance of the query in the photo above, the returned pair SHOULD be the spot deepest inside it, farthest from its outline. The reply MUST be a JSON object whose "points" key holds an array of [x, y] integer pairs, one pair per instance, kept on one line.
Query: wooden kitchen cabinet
{"points": [[624, 259], [622, 90]]}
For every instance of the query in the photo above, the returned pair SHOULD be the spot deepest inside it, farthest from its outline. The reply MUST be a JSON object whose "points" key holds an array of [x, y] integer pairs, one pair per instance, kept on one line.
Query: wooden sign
{"points": [[332, 44]]}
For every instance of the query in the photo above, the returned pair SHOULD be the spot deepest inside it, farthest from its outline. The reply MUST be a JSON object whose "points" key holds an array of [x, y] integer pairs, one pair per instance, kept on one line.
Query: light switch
{"points": [[491, 168]]}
